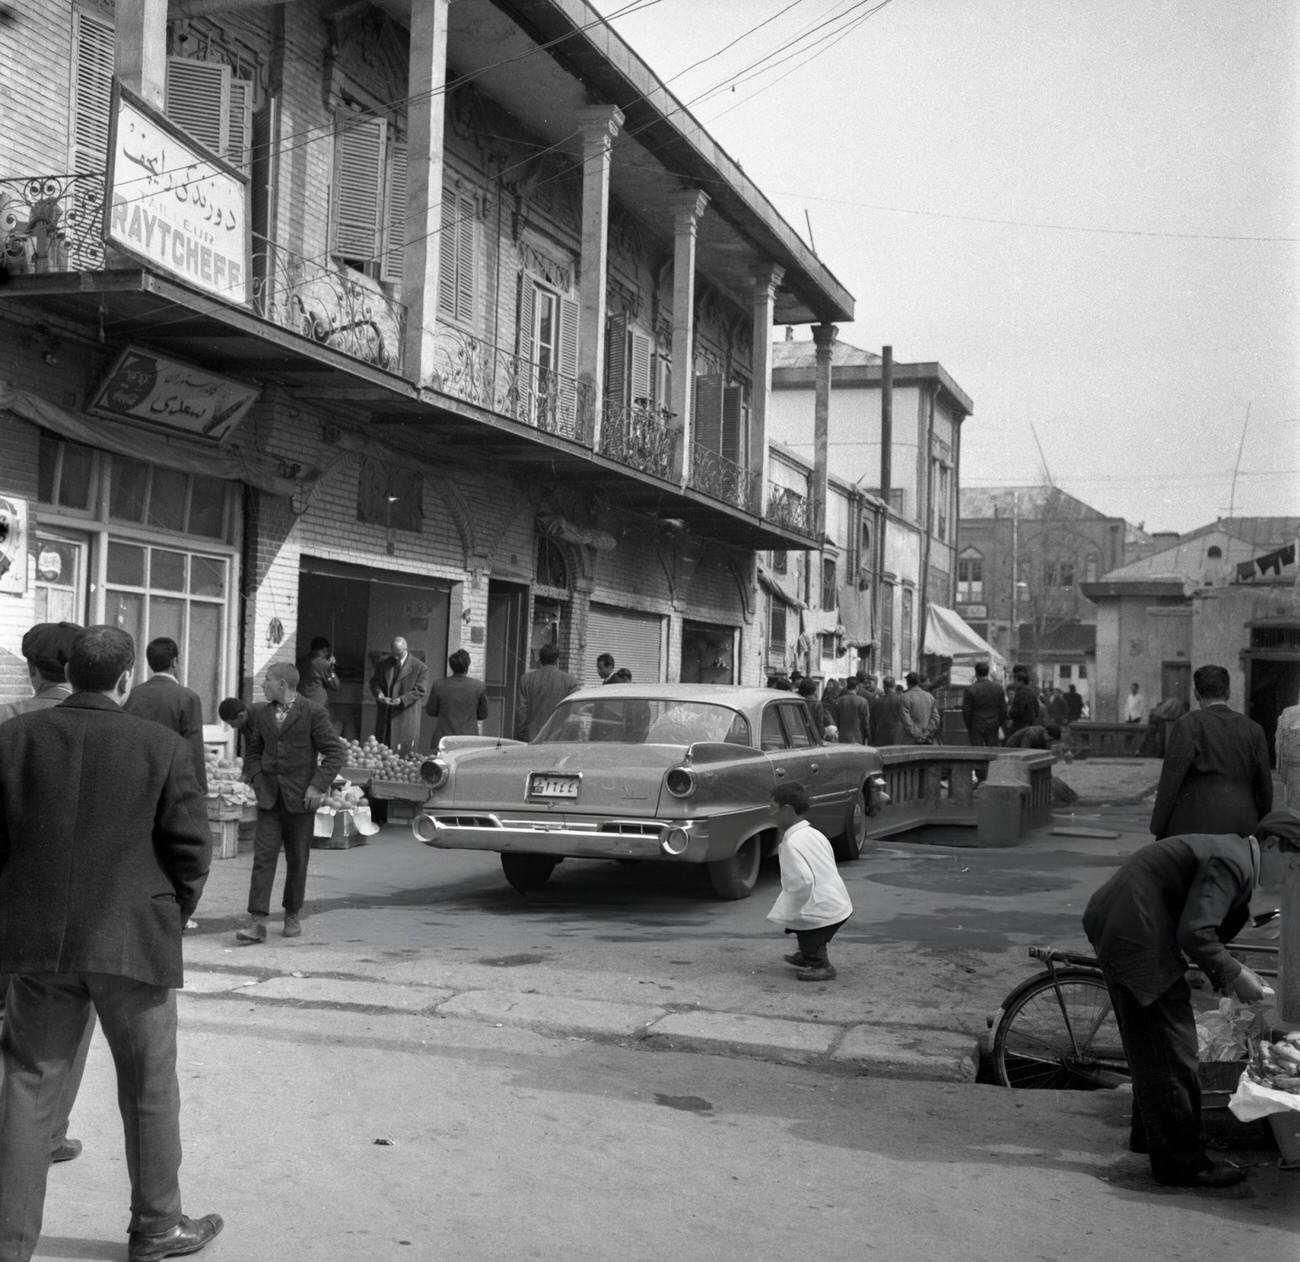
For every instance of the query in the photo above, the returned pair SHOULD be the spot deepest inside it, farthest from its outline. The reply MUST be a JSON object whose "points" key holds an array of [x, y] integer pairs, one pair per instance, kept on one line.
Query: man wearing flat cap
{"points": [[46, 648], [1179, 899]]}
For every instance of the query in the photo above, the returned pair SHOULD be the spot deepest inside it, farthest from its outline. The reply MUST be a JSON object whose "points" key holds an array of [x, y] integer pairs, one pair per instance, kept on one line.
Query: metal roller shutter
{"points": [[634, 639]]}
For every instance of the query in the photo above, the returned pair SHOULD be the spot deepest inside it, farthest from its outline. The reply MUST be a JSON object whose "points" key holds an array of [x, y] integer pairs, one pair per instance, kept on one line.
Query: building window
{"points": [[1059, 574], [1090, 568], [368, 214], [905, 633], [552, 568], [456, 252], [1214, 552], [779, 563], [548, 343], [1067, 671], [970, 577], [830, 597], [887, 627], [1083, 671], [828, 653], [776, 618]]}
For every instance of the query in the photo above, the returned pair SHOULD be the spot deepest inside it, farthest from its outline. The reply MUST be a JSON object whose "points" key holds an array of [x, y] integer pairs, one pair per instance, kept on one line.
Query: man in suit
{"points": [[921, 715], [91, 909], [984, 708], [46, 647], [399, 684], [540, 691], [887, 727], [1215, 777], [458, 704], [293, 757], [164, 699], [1180, 896], [605, 666], [853, 715]]}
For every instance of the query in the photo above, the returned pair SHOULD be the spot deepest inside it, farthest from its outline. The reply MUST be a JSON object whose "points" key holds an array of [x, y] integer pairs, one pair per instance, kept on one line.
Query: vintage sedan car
{"points": [[676, 773]]}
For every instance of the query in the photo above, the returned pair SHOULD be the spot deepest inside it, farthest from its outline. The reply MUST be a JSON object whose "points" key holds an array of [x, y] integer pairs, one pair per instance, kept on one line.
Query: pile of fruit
{"points": [[226, 781], [345, 799], [1277, 1065], [382, 762]]}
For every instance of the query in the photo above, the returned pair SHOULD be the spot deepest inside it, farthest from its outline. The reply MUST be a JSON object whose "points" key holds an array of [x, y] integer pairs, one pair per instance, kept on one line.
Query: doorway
{"points": [[1272, 684], [506, 656]]}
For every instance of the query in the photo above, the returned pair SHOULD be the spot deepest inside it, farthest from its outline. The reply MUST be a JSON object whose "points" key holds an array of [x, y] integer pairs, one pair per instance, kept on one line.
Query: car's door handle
{"points": [[814, 766], [780, 773]]}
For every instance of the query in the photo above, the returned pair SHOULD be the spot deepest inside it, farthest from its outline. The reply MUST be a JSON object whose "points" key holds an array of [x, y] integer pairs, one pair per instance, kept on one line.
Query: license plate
{"points": [[545, 784]]}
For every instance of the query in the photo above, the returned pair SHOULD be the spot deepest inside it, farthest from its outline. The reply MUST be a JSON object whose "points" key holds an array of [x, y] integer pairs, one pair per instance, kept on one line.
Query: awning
{"points": [[947, 635], [770, 583]]}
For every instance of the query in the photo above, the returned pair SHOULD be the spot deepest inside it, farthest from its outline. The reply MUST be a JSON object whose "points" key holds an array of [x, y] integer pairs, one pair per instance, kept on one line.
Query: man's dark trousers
{"points": [[1160, 1043], [46, 1019], [276, 828]]}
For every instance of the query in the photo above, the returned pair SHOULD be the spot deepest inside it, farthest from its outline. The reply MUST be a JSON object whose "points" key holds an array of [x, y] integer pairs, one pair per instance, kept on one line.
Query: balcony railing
{"points": [[332, 307], [470, 368], [786, 507], [723, 479], [638, 436], [51, 223]]}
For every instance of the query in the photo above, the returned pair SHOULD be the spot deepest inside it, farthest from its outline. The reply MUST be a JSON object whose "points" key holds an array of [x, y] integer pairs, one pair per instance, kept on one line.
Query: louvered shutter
{"points": [[92, 87], [465, 213], [239, 130], [616, 361], [708, 413], [447, 254], [198, 99], [524, 350], [639, 356], [358, 187], [397, 214], [568, 368], [732, 435]]}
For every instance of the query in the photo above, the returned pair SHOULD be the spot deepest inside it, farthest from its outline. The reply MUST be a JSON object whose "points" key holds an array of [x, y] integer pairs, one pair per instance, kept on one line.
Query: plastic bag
{"points": [[1253, 1100], [1225, 1033]]}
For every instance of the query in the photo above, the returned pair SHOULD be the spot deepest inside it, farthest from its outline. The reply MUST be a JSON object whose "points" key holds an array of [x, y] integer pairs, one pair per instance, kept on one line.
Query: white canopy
{"points": [[947, 635]]}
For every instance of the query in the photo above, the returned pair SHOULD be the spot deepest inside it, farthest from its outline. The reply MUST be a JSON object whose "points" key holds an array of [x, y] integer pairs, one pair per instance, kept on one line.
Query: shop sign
{"points": [[974, 611], [143, 386], [174, 205], [13, 546]]}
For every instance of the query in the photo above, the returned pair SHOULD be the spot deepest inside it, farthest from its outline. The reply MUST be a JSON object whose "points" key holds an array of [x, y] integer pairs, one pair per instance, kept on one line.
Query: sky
{"points": [[1086, 212]]}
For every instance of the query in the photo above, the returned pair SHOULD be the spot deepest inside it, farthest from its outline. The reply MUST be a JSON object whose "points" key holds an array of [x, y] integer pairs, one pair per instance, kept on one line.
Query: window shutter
{"points": [[358, 186], [92, 89], [568, 366], [198, 99], [639, 368], [465, 213], [732, 433], [239, 131], [616, 361], [447, 255], [524, 372], [708, 413], [396, 215]]}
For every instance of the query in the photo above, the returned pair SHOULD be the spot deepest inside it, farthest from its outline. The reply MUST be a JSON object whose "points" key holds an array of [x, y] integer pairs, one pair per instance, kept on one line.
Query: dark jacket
{"points": [[45, 697], [316, 679], [1022, 709], [540, 691], [399, 725], [1215, 777], [1179, 896], [887, 727], [104, 843], [457, 704], [984, 707], [853, 718], [281, 760], [164, 700]]}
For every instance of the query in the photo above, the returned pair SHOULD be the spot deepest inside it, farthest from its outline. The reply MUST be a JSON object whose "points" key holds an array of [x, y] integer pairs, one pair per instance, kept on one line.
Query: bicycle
{"points": [[1057, 1029]]}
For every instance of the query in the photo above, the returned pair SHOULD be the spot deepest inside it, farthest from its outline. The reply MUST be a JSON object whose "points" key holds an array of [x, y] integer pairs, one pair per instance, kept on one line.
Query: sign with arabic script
{"points": [[173, 204], [143, 386]]}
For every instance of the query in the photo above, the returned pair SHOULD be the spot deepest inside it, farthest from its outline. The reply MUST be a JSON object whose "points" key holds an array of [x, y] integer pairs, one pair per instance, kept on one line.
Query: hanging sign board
{"points": [[144, 386], [172, 204]]}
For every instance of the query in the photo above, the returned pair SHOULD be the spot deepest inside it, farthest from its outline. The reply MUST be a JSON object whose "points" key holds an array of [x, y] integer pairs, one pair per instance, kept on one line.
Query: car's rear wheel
{"points": [[528, 872], [736, 877], [850, 844]]}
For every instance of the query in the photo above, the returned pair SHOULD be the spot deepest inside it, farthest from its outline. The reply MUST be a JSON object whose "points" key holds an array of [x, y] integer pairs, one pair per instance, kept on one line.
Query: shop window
{"points": [[167, 501], [67, 474], [145, 495]]}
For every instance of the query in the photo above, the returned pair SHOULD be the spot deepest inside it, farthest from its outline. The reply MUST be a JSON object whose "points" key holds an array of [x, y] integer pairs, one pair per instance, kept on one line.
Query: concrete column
{"points": [[824, 340], [599, 124], [140, 48], [767, 279], [427, 78], [688, 206]]}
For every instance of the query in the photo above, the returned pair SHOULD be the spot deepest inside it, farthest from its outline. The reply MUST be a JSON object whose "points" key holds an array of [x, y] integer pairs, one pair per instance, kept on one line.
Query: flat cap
{"points": [[48, 644]]}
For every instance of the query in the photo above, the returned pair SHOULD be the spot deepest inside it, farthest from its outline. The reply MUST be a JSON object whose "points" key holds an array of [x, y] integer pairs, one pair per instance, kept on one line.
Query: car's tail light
{"points": [[680, 782], [433, 771], [675, 841]]}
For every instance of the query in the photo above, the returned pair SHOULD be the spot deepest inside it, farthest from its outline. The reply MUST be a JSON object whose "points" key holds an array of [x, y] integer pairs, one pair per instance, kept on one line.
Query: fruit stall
{"points": [[232, 806], [390, 777]]}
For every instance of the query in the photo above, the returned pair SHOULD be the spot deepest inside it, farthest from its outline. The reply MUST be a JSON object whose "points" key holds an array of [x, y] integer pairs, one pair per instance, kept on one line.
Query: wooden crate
{"points": [[359, 776], [344, 834], [225, 838]]}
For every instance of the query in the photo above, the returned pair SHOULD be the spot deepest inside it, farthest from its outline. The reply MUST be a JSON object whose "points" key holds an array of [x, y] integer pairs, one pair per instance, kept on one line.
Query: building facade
{"points": [[448, 324]]}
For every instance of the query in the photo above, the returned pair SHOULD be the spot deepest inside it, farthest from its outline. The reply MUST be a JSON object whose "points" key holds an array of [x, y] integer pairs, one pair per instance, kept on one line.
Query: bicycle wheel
{"points": [[1058, 1031]]}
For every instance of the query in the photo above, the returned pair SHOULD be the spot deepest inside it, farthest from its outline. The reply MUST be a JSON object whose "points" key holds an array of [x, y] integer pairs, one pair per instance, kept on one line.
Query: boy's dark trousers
{"points": [[813, 942]]}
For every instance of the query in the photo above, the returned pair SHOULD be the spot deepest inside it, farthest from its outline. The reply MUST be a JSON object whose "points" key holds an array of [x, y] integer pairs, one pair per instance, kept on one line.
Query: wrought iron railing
{"points": [[332, 307], [723, 479], [786, 507], [638, 436], [52, 223], [471, 368]]}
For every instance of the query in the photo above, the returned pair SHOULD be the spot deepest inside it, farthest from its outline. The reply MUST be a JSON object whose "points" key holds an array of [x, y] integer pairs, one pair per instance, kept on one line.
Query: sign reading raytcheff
{"points": [[172, 204]]}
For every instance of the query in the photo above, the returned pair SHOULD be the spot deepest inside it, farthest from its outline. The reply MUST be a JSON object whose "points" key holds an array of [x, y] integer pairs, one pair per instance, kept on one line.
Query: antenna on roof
{"points": [[808, 220], [1241, 446], [1047, 473]]}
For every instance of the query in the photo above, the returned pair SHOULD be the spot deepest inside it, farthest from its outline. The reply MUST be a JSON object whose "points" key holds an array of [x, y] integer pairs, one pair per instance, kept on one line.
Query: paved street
{"points": [[621, 1067]]}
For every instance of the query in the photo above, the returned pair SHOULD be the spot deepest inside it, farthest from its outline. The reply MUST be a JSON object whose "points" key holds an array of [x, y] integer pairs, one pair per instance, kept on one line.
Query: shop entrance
{"points": [[359, 610], [507, 654], [1272, 684], [708, 654]]}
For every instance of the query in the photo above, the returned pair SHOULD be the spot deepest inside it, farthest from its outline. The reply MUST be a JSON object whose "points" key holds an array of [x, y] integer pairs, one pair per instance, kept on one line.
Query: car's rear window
{"points": [[642, 721]]}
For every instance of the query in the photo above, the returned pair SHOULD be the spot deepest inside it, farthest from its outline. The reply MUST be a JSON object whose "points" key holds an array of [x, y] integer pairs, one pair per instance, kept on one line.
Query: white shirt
{"points": [[812, 891], [1135, 707]]}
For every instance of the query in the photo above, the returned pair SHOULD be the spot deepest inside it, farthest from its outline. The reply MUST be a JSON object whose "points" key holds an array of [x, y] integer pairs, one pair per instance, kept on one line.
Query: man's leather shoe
{"points": [[69, 1150], [292, 927], [799, 960], [254, 931], [1217, 1174], [821, 973], [188, 1236]]}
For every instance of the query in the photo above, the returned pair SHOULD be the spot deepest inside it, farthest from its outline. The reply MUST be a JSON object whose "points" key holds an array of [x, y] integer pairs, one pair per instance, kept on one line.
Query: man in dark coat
{"points": [[293, 757], [1181, 896], [1073, 705], [164, 699], [853, 715], [457, 704], [1022, 701], [540, 691], [104, 851], [887, 727], [1215, 776], [316, 676], [984, 708], [399, 684]]}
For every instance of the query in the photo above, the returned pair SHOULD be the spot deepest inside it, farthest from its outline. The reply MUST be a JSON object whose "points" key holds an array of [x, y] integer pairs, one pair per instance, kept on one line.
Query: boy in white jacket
{"points": [[813, 902]]}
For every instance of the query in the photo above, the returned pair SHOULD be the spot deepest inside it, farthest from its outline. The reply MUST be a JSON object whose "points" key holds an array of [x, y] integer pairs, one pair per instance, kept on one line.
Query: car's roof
{"points": [[734, 695]]}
